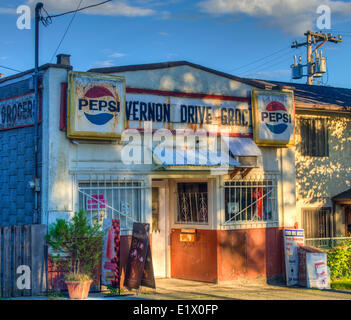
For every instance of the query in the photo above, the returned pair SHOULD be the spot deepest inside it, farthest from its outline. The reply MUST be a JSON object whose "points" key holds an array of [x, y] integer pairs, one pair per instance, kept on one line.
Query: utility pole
{"points": [[314, 69], [38, 7]]}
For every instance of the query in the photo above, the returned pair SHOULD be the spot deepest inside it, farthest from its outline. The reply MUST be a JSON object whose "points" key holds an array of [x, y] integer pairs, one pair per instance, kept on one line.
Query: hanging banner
{"points": [[139, 269], [95, 107], [273, 117], [111, 274], [293, 238]]}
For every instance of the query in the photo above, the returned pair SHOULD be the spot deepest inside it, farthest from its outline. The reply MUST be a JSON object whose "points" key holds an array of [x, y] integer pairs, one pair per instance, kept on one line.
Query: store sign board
{"points": [[293, 238], [317, 271], [139, 269], [95, 106], [17, 111], [175, 112], [273, 117]]}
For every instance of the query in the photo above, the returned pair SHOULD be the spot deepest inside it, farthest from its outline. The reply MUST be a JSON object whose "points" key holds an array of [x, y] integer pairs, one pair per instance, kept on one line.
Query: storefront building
{"points": [[211, 220]]}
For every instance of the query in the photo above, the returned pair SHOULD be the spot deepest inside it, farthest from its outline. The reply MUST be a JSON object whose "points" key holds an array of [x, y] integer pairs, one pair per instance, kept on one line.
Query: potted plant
{"points": [[77, 244]]}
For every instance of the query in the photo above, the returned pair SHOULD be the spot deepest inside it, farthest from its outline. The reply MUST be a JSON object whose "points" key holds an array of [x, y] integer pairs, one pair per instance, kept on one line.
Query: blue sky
{"points": [[242, 37]]}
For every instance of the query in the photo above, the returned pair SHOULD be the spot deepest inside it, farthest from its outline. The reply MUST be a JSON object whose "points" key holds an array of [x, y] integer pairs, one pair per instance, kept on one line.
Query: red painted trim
{"points": [[20, 95], [63, 106], [189, 132], [186, 95]]}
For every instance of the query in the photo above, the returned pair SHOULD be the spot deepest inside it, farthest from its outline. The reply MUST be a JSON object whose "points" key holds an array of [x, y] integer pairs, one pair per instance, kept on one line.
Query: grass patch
{"points": [[341, 284]]}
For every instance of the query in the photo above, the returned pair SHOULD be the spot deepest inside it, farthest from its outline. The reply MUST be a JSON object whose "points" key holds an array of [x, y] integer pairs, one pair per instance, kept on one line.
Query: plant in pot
{"points": [[77, 244]]}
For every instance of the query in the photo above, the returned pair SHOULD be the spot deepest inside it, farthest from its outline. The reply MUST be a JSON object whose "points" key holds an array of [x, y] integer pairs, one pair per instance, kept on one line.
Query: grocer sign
{"points": [[273, 117], [95, 106], [17, 111]]}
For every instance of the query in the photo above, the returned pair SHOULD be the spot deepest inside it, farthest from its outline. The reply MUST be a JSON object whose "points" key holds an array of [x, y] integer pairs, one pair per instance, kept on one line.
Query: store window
{"points": [[192, 203], [250, 201], [314, 137], [317, 222], [112, 199]]}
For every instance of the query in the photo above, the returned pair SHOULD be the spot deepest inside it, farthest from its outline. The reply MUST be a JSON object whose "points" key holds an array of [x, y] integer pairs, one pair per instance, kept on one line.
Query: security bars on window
{"points": [[120, 199], [250, 201], [192, 208]]}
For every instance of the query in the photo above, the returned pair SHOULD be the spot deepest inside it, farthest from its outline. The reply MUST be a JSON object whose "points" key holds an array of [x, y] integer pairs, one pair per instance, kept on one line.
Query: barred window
{"points": [[113, 200], [192, 203], [317, 222], [314, 137], [250, 200]]}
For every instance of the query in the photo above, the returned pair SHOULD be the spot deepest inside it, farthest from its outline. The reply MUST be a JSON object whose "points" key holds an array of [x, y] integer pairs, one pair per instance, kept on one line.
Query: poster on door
{"points": [[139, 269], [293, 238], [111, 275]]}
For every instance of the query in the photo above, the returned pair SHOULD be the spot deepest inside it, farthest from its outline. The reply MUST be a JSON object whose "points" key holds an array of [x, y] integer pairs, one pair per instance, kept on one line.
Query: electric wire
{"points": [[66, 30], [265, 65], [8, 68], [257, 71], [73, 11], [260, 59]]}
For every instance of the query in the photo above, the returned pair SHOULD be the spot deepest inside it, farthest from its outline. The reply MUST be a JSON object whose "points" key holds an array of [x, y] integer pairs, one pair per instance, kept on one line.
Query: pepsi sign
{"points": [[274, 117], [94, 106]]}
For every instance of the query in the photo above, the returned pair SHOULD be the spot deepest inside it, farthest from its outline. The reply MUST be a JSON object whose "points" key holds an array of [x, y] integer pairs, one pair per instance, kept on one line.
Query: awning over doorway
{"points": [[243, 147], [343, 198], [243, 153]]}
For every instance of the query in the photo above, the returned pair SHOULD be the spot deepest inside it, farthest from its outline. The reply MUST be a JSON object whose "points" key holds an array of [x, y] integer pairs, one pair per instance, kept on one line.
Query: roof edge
{"points": [[41, 68], [170, 64]]}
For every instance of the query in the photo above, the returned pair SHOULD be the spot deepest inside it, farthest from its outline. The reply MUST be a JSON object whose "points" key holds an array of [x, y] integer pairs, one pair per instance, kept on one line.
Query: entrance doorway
{"points": [[159, 229]]}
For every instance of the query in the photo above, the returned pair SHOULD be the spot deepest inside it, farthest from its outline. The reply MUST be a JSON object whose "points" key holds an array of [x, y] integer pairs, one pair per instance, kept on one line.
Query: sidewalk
{"points": [[175, 289]]}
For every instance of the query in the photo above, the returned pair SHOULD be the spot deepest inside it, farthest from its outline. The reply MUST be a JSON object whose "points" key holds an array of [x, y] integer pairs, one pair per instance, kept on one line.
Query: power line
{"points": [[10, 68], [66, 30], [263, 65], [258, 60], [74, 11]]}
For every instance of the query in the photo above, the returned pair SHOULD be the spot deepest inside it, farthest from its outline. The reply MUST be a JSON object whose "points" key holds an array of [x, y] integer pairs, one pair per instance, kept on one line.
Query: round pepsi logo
{"points": [[99, 105], [276, 117]]}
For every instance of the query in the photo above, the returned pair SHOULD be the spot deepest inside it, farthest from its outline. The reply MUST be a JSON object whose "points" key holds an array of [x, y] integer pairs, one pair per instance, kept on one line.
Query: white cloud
{"points": [[291, 16], [116, 55], [7, 11], [113, 8], [164, 34], [104, 63], [273, 74]]}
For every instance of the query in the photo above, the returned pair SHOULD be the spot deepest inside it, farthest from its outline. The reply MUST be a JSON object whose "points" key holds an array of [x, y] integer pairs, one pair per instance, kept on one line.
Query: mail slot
{"points": [[187, 235]]}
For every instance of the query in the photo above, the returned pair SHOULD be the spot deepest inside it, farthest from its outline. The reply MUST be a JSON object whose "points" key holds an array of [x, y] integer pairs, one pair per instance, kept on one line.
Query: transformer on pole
{"points": [[316, 66]]}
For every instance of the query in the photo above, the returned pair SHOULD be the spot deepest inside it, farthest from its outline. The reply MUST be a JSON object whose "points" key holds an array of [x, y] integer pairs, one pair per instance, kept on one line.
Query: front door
{"points": [[159, 229]]}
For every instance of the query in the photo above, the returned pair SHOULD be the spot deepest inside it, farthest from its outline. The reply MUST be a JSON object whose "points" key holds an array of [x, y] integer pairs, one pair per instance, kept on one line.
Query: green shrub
{"points": [[77, 244], [339, 261]]}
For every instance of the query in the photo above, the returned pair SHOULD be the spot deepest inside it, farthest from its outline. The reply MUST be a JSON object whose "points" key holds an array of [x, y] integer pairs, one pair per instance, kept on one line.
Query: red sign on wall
{"points": [[97, 202]]}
